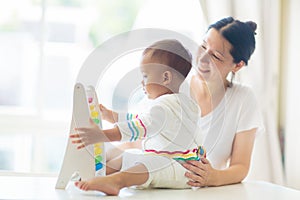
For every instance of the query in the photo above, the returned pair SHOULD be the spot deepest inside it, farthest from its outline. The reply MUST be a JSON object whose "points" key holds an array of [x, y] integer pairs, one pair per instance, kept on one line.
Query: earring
{"points": [[231, 79]]}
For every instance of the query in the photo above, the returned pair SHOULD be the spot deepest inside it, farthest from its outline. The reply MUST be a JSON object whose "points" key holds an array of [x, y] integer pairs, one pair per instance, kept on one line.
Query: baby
{"points": [[168, 128]]}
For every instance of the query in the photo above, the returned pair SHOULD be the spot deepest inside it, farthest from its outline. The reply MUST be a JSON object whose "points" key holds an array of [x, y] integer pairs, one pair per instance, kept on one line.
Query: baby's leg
{"points": [[115, 155], [114, 165], [119, 149], [112, 184]]}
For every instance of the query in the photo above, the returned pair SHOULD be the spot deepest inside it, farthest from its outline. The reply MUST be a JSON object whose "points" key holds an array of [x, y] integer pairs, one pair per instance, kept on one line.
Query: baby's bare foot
{"points": [[105, 184]]}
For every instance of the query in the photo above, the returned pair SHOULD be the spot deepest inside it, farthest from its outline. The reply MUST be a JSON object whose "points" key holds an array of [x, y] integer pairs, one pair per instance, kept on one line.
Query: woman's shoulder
{"points": [[241, 89], [242, 93]]}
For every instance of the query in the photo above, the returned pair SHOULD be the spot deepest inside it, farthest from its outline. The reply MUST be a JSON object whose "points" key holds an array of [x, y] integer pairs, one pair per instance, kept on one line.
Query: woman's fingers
{"points": [[198, 172], [194, 184], [204, 161], [194, 166], [196, 178]]}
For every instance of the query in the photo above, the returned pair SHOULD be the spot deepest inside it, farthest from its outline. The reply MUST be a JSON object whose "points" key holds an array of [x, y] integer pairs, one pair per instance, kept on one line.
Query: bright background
{"points": [[45, 42]]}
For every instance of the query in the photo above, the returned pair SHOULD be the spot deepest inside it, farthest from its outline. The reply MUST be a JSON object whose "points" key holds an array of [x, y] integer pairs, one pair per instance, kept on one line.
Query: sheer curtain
{"points": [[261, 73], [290, 92]]}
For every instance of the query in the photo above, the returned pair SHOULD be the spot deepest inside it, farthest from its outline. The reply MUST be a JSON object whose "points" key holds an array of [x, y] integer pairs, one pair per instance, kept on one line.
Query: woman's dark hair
{"points": [[240, 35]]}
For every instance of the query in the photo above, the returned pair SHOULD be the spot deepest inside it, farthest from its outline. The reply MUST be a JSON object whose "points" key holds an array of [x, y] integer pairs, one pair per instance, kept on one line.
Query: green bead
{"points": [[96, 120]]}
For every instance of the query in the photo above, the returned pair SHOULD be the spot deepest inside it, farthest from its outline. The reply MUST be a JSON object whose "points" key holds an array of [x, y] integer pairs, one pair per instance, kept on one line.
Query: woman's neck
{"points": [[217, 89], [208, 95]]}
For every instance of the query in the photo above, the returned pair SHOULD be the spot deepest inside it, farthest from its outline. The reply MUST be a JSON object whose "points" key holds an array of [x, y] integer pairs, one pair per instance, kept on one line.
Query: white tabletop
{"points": [[24, 187]]}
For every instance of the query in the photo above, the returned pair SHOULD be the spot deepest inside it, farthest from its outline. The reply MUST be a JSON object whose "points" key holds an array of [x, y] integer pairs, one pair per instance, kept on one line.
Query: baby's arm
{"points": [[108, 115], [85, 136], [144, 125]]}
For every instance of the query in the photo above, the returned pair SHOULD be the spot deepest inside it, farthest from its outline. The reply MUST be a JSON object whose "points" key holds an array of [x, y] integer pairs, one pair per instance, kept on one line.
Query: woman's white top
{"points": [[238, 111]]}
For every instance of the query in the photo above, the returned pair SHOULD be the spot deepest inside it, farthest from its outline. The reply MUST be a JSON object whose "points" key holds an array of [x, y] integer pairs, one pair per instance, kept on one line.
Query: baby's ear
{"points": [[167, 76]]}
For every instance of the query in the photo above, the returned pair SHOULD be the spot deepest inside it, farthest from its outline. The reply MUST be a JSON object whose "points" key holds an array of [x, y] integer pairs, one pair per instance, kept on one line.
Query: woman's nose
{"points": [[204, 57]]}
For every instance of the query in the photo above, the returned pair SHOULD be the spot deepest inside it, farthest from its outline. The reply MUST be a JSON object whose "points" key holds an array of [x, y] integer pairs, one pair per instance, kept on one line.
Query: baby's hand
{"points": [[85, 136], [108, 115]]}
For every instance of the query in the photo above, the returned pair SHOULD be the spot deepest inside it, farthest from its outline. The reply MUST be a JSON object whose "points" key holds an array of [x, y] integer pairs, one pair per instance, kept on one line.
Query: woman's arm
{"points": [[203, 174]]}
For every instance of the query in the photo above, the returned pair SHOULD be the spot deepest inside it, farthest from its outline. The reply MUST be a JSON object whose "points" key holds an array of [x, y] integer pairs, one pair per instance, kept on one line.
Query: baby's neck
{"points": [[167, 92]]}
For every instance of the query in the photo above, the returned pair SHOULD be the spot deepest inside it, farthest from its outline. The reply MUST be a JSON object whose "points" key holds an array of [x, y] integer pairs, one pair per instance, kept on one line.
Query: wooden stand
{"points": [[89, 162]]}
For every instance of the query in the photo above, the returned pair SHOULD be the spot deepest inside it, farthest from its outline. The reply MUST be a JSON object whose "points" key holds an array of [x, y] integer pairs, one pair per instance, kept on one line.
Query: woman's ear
{"points": [[167, 77], [238, 66]]}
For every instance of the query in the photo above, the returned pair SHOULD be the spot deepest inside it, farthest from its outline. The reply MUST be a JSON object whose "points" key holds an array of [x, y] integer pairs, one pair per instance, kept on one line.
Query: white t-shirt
{"points": [[238, 111]]}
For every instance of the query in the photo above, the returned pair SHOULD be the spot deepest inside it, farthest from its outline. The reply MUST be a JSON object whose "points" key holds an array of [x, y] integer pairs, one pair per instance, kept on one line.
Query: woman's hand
{"points": [[200, 173], [85, 136], [108, 115]]}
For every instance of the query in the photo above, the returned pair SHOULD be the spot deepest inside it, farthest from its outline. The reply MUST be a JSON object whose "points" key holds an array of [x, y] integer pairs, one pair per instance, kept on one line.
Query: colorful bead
{"points": [[98, 159], [97, 151], [98, 166], [97, 121], [94, 114], [92, 107]]}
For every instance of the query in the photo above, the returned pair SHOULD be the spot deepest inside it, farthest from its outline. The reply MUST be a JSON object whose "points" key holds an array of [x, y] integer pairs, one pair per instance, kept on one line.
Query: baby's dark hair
{"points": [[240, 35], [172, 53]]}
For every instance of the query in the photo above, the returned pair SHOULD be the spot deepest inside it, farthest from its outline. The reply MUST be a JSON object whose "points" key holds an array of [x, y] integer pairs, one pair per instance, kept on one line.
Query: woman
{"points": [[230, 117]]}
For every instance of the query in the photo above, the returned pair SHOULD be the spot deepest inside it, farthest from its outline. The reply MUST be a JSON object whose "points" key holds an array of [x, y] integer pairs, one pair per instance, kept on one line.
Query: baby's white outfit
{"points": [[169, 125]]}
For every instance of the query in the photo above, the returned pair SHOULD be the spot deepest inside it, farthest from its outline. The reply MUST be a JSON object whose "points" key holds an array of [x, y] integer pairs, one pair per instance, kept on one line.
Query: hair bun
{"points": [[252, 25]]}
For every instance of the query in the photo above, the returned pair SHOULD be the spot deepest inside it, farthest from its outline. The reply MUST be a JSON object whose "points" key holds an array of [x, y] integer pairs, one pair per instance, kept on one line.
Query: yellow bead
{"points": [[94, 114], [92, 107], [97, 151]]}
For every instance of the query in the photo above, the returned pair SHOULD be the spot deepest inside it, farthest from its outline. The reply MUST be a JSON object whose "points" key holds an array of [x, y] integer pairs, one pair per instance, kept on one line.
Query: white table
{"points": [[24, 187]]}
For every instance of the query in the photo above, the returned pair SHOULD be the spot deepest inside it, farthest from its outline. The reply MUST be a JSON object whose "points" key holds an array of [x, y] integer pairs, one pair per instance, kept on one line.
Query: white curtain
{"points": [[291, 93], [262, 73]]}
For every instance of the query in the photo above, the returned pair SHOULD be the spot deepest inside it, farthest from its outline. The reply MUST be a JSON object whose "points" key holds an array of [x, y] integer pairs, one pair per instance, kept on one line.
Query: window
{"points": [[43, 46]]}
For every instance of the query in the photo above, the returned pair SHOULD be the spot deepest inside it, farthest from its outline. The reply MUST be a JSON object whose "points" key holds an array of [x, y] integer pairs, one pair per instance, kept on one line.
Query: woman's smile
{"points": [[203, 70]]}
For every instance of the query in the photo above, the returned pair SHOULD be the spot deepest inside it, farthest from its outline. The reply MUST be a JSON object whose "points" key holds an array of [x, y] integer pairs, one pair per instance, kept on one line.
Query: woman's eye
{"points": [[216, 57], [203, 47]]}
